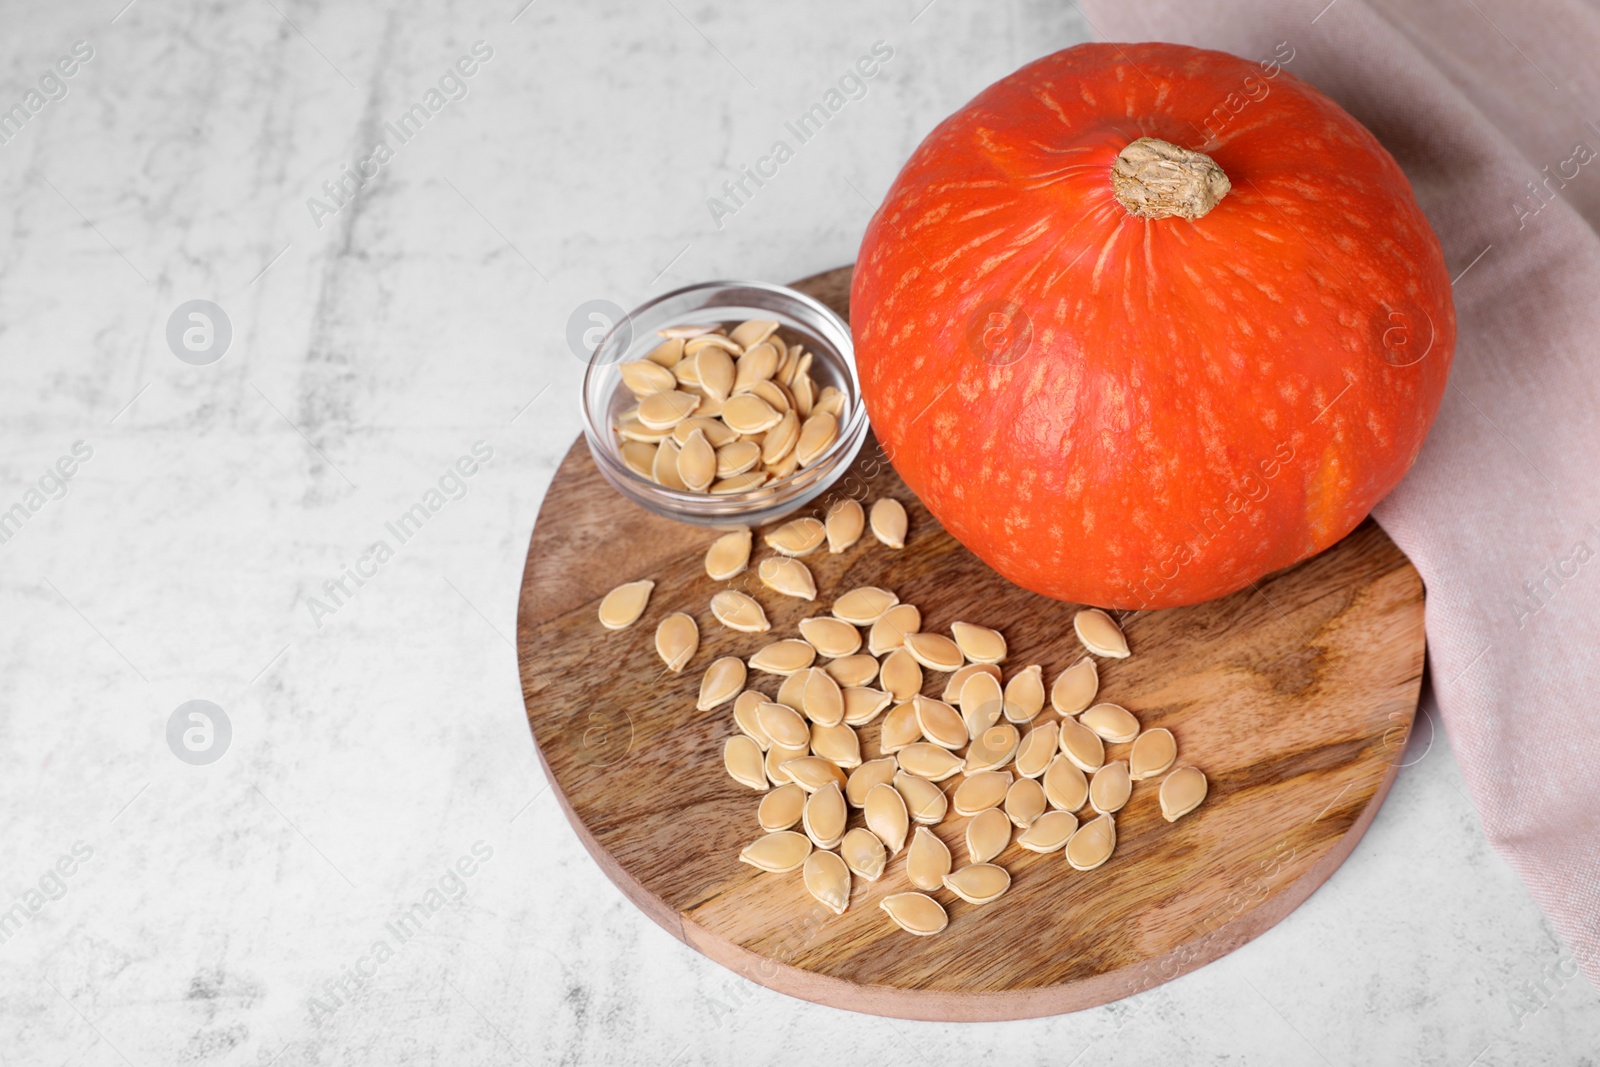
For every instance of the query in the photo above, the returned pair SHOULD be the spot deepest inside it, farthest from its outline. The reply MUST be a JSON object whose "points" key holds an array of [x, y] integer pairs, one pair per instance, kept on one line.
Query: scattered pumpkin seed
{"points": [[978, 792], [994, 748], [981, 703], [857, 670], [1038, 748], [677, 639], [1075, 687], [838, 744], [1098, 631], [925, 802], [888, 521], [1065, 785], [830, 637], [863, 778], [1092, 843], [728, 555], [863, 605], [1110, 788], [1111, 722], [952, 687], [927, 860], [792, 691], [862, 705], [900, 728], [721, 683], [781, 808], [739, 611], [828, 880], [778, 755], [746, 715], [784, 725], [980, 883], [863, 853], [988, 834], [812, 773], [979, 643], [900, 675], [821, 699], [1049, 832], [934, 651], [1025, 802], [622, 606], [743, 759], [889, 632], [940, 723], [783, 657], [915, 913], [824, 816], [886, 817], [788, 576], [929, 761], [777, 853], [797, 537], [1181, 792], [1082, 746], [1025, 694], [846, 521], [1154, 752]]}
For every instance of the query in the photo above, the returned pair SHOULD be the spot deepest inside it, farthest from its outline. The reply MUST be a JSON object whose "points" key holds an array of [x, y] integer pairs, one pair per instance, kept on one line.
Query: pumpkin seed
{"points": [[889, 632], [738, 457], [773, 395], [739, 611], [979, 643], [781, 469], [886, 817], [805, 394], [638, 457], [812, 773], [752, 332], [792, 691], [940, 723], [1025, 802], [900, 675], [629, 428], [744, 413], [981, 703], [845, 523], [838, 744], [667, 353], [1075, 687], [862, 705], [857, 670], [1153, 753], [784, 725], [742, 758], [677, 638], [863, 853], [1098, 632], [781, 438], [925, 802], [777, 853], [980, 883], [828, 880], [686, 330], [1065, 786], [685, 371], [1025, 694], [823, 702], [783, 657], [929, 761], [988, 834], [888, 521], [1082, 745], [622, 607], [781, 808], [758, 364], [709, 407], [644, 376], [663, 411], [1181, 792], [915, 913], [778, 755], [714, 368], [934, 651], [927, 860], [797, 537], [863, 778], [728, 555], [900, 728], [721, 683], [664, 469], [825, 815], [714, 340], [1110, 788], [994, 748], [830, 637], [1111, 722], [788, 576], [1038, 748], [979, 792], [1049, 832], [817, 435], [716, 431], [1092, 843], [953, 687], [746, 715], [863, 605], [739, 483]]}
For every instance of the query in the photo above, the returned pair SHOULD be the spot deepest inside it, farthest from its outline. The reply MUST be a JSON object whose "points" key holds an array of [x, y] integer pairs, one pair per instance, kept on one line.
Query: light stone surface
{"points": [[375, 747]]}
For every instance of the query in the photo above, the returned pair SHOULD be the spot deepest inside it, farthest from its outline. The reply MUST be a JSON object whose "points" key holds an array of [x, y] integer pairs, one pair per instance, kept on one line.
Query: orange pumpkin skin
{"points": [[1146, 412]]}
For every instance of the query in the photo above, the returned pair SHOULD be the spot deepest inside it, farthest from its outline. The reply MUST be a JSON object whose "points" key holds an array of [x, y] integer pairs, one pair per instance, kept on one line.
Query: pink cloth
{"points": [[1479, 100]]}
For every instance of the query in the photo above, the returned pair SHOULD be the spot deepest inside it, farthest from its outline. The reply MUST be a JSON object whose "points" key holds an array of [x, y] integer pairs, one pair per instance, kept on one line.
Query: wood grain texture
{"points": [[1295, 697]]}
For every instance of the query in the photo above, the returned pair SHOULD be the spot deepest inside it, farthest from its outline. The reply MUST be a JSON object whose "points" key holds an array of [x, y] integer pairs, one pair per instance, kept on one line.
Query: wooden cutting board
{"points": [[1295, 697]]}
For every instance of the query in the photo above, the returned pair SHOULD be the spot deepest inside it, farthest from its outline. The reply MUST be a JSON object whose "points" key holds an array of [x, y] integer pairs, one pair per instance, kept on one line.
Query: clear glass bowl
{"points": [[800, 318]]}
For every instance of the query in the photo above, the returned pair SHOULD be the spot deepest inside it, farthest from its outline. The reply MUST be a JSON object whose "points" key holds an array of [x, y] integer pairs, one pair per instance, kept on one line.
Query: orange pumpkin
{"points": [[1143, 323]]}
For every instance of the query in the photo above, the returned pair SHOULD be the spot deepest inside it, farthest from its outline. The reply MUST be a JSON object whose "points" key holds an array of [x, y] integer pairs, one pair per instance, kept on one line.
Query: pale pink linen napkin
{"points": [[1477, 99]]}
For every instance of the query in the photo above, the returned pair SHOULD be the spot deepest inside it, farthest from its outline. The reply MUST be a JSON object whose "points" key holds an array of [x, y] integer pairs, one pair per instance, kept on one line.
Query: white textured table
{"points": [[372, 871]]}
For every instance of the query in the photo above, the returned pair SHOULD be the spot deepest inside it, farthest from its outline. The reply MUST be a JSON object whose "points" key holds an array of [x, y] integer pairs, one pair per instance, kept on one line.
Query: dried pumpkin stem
{"points": [[1156, 179]]}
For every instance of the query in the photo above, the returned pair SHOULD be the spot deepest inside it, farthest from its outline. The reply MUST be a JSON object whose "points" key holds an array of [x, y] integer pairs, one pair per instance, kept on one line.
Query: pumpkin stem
{"points": [[1155, 179]]}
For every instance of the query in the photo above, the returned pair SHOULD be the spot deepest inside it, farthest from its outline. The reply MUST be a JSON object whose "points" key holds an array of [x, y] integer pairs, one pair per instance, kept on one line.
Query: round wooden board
{"points": [[1295, 697]]}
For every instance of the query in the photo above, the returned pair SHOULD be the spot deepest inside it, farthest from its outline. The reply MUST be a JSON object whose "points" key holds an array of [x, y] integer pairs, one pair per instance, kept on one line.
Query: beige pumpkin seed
{"points": [[929, 761], [1111, 722], [721, 683], [900, 728], [927, 860], [792, 691], [667, 353], [838, 744], [788, 576], [940, 723], [953, 687], [1081, 745], [784, 725], [1110, 787], [1049, 832], [888, 521], [1092, 844], [988, 834], [981, 703], [714, 340], [1075, 687], [863, 853], [1025, 802], [824, 816], [743, 758], [934, 651], [738, 457], [1025, 694], [846, 521], [1065, 786], [981, 791], [747, 716], [980, 883], [644, 376], [858, 670], [817, 435], [665, 467], [728, 555], [805, 394], [1099, 632], [1038, 748], [863, 778], [777, 853], [638, 457], [915, 913], [1181, 792], [758, 364], [979, 643], [797, 537], [697, 463], [994, 748], [687, 330], [863, 605], [781, 438], [663, 411], [774, 395], [830, 400], [739, 611], [828, 880], [925, 802], [822, 699], [745, 413], [622, 607], [709, 407], [783, 657], [781, 808], [752, 332], [886, 817], [900, 674], [889, 632], [862, 705], [1153, 753], [677, 638], [629, 428], [716, 431], [812, 773], [830, 637], [779, 755], [739, 483], [714, 368]]}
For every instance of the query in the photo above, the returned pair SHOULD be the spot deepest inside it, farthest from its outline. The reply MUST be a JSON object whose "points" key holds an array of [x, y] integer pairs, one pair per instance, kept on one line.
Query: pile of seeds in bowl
{"points": [[1055, 788], [725, 410]]}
